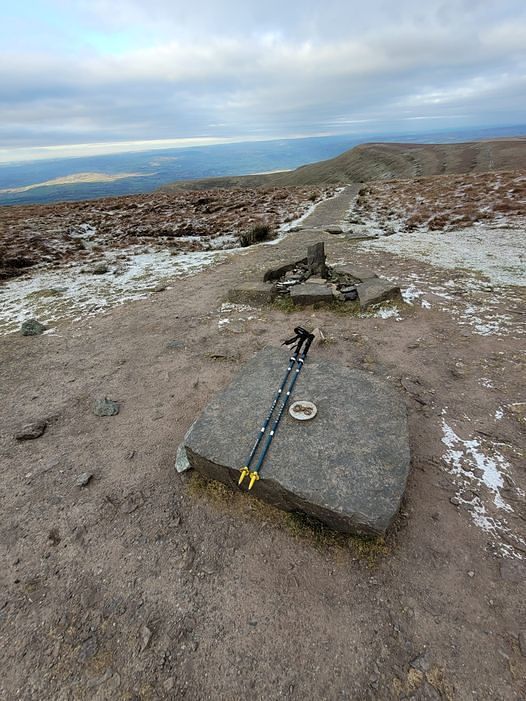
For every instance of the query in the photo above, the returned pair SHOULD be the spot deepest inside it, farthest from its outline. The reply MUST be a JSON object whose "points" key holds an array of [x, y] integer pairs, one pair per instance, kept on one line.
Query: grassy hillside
{"points": [[384, 161]]}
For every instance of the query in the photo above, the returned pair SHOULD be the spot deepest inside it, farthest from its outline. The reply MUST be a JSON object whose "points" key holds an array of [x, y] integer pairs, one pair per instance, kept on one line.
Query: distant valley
{"points": [[301, 161]]}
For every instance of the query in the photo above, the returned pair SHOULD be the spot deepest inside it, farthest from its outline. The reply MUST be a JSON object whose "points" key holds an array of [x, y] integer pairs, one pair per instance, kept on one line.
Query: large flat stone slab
{"points": [[377, 290], [358, 273], [346, 467], [252, 293], [311, 293]]}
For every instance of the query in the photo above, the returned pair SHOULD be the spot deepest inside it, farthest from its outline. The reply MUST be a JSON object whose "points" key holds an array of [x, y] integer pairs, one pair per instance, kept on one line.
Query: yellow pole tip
{"points": [[244, 473], [253, 479]]}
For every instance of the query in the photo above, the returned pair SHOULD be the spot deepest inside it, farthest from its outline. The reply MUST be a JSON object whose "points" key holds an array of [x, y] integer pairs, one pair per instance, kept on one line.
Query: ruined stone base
{"points": [[347, 467]]}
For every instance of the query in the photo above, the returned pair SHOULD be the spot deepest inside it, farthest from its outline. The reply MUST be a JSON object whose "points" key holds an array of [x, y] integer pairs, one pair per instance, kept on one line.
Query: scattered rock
{"points": [[455, 501], [83, 479], [32, 327], [175, 344], [145, 635], [310, 293], [349, 294], [319, 336], [252, 293], [280, 271], [31, 431], [100, 269], [421, 662], [105, 407], [522, 642], [377, 290], [333, 229]]}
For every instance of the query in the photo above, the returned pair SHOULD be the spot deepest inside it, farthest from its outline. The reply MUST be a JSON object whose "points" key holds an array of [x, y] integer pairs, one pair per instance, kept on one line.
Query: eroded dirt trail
{"points": [[150, 585]]}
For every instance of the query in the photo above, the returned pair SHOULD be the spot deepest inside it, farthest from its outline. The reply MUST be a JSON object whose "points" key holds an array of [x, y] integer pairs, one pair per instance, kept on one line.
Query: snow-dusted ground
{"points": [[50, 295], [480, 470], [71, 292], [495, 251]]}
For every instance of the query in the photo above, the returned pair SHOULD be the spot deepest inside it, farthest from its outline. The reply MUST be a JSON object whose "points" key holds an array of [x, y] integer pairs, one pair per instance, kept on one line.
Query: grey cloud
{"points": [[288, 75]]}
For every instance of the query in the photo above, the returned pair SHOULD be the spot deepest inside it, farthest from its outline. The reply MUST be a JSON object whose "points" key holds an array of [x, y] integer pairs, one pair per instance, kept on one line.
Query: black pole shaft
{"points": [[292, 361], [270, 436]]}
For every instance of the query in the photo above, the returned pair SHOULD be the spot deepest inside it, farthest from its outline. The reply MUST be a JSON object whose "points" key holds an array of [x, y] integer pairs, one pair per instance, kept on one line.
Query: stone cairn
{"points": [[311, 281]]}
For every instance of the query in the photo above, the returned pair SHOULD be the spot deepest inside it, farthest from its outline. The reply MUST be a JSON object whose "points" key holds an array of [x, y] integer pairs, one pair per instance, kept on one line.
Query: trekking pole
{"points": [[300, 337], [254, 475]]}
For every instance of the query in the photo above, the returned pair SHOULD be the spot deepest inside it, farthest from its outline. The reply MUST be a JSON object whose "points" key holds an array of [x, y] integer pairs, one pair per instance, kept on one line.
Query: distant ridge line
{"points": [[384, 161]]}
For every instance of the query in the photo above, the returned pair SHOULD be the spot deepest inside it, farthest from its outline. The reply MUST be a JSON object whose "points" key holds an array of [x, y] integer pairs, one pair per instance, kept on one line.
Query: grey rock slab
{"points": [[105, 407], [377, 290], [334, 229], [347, 467], [32, 327], [358, 273], [316, 260], [31, 431], [310, 293], [252, 293], [278, 272]]}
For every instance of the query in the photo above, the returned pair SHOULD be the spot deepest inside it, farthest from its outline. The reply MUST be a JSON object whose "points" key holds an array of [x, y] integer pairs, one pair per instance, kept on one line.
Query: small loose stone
{"points": [[83, 479], [32, 327], [105, 407], [31, 431]]}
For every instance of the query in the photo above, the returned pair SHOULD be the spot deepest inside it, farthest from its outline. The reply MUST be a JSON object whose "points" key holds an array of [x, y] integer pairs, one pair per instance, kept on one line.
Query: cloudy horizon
{"points": [[101, 76]]}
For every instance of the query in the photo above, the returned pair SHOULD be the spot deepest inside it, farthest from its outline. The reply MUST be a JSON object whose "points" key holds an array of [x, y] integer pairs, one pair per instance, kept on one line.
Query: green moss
{"points": [[210, 489], [284, 304], [365, 548], [345, 308]]}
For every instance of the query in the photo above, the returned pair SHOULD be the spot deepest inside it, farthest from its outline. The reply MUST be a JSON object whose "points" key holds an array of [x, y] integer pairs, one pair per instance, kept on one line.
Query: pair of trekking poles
{"points": [[300, 345]]}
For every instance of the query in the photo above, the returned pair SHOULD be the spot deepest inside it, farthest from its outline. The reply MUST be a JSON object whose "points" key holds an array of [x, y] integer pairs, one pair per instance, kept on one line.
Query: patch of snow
{"points": [[51, 295], [387, 313], [411, 294], [474, 469], [496, 253], [466, 460], [499, 413], [487, 383], [227, 307]]}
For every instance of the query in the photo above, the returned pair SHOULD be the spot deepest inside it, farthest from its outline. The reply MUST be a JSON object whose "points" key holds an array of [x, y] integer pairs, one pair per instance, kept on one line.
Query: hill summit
{"points": [[384, 161]]}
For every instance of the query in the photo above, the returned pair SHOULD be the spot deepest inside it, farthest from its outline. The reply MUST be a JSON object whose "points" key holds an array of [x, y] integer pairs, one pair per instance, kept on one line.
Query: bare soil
{"points": [[146, 584]]}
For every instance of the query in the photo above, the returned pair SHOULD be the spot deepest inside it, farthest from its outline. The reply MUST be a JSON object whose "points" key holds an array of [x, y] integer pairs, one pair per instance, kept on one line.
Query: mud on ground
{"points": [[145, 584]]}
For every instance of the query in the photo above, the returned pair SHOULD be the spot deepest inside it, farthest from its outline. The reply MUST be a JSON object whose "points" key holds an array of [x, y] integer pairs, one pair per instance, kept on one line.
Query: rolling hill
{"points": [[385, 161]]}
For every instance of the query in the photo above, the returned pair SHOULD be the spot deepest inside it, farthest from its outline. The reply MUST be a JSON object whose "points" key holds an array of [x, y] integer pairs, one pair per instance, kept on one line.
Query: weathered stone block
{"points": [[279, 272], [310, 293], [347, 467], [252, 293], [357, 272], [377, 290]]}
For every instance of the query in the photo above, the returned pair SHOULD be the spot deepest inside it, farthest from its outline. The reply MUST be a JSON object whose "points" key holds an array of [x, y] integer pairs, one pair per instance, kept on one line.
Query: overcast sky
{"points": [[94, 72]]}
